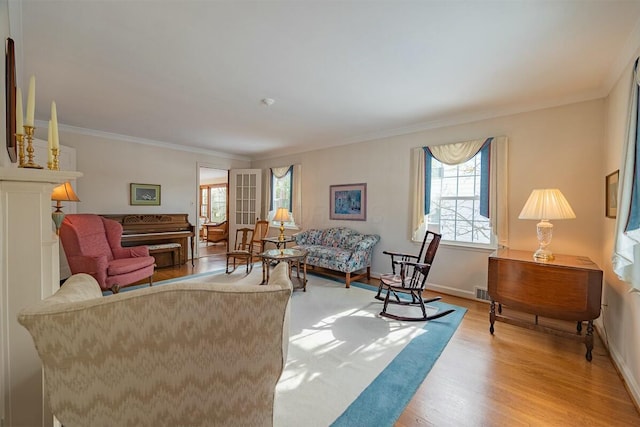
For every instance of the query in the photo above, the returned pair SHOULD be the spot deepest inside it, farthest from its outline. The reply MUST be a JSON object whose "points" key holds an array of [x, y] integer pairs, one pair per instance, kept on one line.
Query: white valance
{"points": [[457, 152], [281, 171]]}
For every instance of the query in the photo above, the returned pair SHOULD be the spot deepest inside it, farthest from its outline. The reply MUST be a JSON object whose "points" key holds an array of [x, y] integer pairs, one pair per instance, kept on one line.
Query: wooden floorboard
{"points": [[516, 377]]}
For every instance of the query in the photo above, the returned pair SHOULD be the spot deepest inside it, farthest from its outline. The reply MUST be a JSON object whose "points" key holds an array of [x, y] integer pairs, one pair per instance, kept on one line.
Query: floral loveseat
{"points": [[340, 249]]}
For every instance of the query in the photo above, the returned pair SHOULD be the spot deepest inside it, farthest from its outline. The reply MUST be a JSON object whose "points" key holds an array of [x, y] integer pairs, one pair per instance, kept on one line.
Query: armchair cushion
{"points": [[183, 354]]}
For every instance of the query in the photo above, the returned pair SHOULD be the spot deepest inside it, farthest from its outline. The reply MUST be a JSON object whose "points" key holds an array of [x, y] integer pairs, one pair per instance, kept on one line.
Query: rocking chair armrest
{"points": [[399, 254], [418, 265]]}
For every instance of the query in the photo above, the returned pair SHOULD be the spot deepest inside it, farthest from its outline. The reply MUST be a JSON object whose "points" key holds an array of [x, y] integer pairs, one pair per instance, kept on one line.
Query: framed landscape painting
{"points": [[145, 194], [348, 201]]}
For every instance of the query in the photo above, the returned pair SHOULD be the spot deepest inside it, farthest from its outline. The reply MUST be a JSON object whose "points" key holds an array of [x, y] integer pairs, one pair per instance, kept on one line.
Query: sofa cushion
{"points": [[335, 237], [337, 255]]}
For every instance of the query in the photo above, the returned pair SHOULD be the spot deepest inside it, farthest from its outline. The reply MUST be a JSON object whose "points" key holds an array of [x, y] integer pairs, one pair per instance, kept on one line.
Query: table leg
{"points": [[304, 275], [492, 316], [588, 340]]}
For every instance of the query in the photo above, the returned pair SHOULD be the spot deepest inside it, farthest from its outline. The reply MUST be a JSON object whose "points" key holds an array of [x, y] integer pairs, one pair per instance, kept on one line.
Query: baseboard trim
{"points": [[628, 380]]}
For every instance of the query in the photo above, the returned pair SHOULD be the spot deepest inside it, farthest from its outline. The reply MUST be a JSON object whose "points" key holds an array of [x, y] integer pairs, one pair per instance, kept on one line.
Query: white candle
{"points": [[31, 101], [54, 122], [19, 112], [50, 141]]}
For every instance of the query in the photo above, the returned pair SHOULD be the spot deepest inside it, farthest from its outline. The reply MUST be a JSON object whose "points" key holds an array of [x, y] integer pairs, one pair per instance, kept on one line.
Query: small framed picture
{"points": [[611, 194], [145, 194], [348, 201]]}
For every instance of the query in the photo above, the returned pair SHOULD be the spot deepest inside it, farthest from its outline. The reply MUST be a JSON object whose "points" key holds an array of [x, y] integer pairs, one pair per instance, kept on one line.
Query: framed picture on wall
{"points": [[348, 201], [611, 194], [145, 194]]}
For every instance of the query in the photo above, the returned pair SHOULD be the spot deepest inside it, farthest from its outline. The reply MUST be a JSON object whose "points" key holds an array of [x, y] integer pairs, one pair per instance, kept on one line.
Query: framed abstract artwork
{"points": [[348, 201], [145, 194], [611, 194]]}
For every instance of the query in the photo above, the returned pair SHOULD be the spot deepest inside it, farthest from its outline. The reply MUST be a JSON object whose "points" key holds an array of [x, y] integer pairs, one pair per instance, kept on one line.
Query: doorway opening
{"points": [[213, 212]]}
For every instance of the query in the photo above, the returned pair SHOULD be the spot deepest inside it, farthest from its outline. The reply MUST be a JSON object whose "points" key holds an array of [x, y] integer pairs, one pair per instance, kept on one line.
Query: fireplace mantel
{"points": [[37, 175], [29, 271]]}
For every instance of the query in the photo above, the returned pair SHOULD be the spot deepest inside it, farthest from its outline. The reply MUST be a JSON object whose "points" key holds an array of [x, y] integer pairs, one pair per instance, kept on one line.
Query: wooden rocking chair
{"points": [[410, 280]]}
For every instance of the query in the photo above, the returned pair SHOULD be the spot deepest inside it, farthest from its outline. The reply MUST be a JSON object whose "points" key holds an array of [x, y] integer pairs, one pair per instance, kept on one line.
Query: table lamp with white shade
{"points": [[544, 205]]}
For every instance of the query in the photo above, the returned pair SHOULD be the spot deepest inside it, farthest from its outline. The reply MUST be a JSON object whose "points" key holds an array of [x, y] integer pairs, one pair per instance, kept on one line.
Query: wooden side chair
{"points": [[242, 251], [259, 232], [409, 282]]}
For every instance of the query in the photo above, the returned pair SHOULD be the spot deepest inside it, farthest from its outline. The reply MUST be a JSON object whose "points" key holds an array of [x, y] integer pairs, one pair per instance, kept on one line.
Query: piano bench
{"points": [[174, 248]]}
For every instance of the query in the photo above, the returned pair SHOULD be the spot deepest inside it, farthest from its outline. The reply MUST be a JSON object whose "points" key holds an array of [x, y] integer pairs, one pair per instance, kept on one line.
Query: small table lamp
{"points": [[282, 215], [543, 205], [62, 193]]}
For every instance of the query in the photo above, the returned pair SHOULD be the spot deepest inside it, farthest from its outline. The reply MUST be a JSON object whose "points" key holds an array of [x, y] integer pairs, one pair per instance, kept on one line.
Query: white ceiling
{"points": [[193, 73]]}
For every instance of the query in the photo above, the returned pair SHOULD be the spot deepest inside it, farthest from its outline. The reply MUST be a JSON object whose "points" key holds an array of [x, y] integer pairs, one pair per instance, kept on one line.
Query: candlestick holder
{"points": [[20, 140], [55, 163], [30, 163]]}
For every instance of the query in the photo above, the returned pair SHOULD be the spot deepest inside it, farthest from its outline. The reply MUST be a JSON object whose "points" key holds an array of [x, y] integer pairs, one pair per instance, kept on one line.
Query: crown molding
{"points": [[143, 141]]}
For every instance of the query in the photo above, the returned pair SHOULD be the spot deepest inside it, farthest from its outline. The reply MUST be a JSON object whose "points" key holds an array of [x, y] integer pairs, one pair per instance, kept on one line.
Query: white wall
{"points": [[557, 147], [621, 309], [110, 165]]}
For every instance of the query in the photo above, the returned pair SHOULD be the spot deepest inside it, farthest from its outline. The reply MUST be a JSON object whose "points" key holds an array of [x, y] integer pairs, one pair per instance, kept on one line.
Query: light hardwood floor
{"points": [[517, 377]]}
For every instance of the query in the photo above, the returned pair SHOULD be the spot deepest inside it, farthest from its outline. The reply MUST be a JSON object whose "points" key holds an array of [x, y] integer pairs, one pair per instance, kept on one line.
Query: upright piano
{"points": [[155, 229]]}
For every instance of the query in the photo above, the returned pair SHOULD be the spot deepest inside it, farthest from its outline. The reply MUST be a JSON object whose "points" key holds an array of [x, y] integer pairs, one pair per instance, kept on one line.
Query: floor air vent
{"points": [[482, 294]]}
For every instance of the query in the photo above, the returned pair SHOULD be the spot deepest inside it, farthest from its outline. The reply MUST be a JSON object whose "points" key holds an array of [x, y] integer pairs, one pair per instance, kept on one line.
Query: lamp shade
{"points": [[547, 203], [64, 193], [282, 215]]}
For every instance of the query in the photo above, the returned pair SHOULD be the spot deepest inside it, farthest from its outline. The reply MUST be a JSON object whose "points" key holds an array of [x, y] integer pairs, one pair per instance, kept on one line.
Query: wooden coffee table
{"points": [[290, 256]]}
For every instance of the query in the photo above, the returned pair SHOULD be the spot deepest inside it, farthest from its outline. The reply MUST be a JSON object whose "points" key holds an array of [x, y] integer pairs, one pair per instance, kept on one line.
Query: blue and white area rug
{"points": [[346, 365]]}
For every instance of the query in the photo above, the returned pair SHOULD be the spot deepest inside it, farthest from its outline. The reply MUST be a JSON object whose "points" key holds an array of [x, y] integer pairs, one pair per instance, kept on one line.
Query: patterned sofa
{"points": [[339, 249], [191, 354]]}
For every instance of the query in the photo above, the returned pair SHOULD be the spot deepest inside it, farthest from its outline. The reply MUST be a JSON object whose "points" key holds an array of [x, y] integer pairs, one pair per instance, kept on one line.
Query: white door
{"points": [[245, 190]]}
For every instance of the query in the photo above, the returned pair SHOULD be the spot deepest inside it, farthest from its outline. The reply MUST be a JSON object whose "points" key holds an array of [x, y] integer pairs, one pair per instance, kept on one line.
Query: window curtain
{"points": [[626, 255], [280, 173], [296, 191], [493, 185]]}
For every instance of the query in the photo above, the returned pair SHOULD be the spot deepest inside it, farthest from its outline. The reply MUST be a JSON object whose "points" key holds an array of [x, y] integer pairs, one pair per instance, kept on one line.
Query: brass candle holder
{"points": [[55, 164], [20, 140], [30, 163]]}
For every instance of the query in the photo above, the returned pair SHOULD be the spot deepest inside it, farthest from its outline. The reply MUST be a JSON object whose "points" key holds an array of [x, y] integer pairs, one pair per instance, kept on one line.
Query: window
{"points": [[213, 202], [460, 191], [283, 191], [218, 200], [455, 202]]}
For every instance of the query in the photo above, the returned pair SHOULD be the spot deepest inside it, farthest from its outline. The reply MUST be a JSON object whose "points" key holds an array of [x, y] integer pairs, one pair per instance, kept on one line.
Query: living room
{"points": [[571, 145]]}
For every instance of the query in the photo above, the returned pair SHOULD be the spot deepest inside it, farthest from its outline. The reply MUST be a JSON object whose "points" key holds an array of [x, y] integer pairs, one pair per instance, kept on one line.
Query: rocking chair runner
{"points": [[410, 281]]}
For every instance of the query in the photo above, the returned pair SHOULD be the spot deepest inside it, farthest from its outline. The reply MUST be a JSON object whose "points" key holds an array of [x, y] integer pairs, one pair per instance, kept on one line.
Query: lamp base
{"points": [[544, 231], [543, 255], [281, 238], [57, 217]]}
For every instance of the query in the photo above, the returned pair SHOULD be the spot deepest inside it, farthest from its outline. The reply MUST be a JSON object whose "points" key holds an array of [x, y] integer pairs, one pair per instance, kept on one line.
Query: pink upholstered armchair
{"points": [[92, 245]]}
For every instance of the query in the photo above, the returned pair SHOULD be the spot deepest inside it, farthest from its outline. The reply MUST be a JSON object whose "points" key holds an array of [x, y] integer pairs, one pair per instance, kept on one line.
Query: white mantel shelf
{"points": [[37, 175]]}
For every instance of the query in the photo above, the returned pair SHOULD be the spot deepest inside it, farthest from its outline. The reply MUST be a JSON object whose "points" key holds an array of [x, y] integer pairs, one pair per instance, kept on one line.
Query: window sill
{"points": [[481, 247], [286, 227]]}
